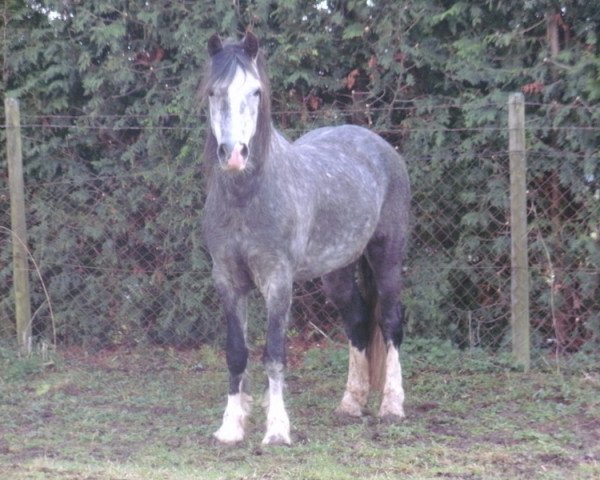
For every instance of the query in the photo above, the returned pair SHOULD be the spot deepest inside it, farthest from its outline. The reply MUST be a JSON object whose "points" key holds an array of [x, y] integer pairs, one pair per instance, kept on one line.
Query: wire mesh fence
{"points": [[121, 260]]}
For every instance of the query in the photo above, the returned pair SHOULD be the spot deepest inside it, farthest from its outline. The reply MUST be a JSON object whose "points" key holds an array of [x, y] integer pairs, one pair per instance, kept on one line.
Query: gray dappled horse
{"points": [[277, 212]]}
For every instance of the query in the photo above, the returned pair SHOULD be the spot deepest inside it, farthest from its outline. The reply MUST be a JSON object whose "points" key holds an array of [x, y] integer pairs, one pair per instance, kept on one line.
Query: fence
{"points": [[121, 261]]}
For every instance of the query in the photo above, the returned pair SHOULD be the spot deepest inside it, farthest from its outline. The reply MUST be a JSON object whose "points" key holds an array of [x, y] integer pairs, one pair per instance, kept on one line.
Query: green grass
{"points": [[149, 414]]}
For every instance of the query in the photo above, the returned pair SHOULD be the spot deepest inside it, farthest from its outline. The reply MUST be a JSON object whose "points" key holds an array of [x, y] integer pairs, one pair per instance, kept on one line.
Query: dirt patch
{"points": [[556, 459], [426, 407]]}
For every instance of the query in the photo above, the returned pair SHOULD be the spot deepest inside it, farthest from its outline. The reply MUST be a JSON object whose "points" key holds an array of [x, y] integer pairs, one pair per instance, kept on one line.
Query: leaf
{"points": [[353, 30]]}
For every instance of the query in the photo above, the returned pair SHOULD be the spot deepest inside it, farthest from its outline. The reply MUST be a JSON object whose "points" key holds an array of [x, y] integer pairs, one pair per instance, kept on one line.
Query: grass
{"points": [[149, 414]]}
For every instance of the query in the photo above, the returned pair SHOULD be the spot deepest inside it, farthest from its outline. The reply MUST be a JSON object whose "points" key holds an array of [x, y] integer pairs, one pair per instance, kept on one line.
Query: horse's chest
{"points": [[250, 237], [250, 257]]}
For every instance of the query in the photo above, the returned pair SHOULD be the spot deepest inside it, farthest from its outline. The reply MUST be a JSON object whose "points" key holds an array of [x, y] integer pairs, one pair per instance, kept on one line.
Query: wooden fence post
{"points": [[519, 288], [18, 225]]}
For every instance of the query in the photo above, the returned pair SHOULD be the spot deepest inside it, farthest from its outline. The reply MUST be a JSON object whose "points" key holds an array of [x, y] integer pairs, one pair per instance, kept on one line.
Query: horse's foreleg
{"points": [[278, 298], [233, 428], [237, 411], [278, 422]]}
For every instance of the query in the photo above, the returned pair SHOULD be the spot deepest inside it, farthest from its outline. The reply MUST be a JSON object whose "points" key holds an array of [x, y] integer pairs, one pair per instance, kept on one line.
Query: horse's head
{"points": [[238, 100]]}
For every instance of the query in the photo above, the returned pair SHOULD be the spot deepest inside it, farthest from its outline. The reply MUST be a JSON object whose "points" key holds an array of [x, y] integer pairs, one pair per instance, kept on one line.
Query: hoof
{"points": [[392, 406], [226, 438], [350, 406], [391, 418], [277, 439], [232, 430], [341, 418], [346, 410]]}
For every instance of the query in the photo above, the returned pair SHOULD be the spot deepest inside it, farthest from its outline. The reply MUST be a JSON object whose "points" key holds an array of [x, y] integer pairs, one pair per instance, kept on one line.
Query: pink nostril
{"points": [[225, 151]]}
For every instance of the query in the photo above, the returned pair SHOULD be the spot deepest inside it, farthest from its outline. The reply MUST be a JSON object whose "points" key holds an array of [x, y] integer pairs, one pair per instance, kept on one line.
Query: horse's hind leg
{"points": [[341, 289], [385, 258]]}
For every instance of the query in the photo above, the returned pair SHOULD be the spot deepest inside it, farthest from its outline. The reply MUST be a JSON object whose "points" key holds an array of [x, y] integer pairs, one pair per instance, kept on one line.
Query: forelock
{"points": [[226, 63]]}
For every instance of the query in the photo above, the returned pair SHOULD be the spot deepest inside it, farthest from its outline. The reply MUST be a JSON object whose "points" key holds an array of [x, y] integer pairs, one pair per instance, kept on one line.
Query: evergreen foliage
{"points": [[113, 132]]}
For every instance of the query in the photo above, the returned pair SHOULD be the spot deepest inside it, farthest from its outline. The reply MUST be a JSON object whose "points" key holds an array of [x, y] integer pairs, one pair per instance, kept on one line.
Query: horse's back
{"points": [[352, 148], [353, 144]]}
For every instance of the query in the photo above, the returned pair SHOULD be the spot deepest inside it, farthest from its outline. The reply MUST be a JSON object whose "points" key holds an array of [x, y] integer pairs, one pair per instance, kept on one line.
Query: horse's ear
{"points": [[250, 44], [214, 44]]}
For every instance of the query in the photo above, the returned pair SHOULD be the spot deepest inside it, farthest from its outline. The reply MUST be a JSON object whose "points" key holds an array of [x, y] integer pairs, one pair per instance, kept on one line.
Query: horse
{"points": [[278, 212]]}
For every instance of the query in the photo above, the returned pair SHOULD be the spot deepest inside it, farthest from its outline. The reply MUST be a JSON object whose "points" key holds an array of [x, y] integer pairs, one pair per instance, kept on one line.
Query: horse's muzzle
{"points": [[233, 157]]}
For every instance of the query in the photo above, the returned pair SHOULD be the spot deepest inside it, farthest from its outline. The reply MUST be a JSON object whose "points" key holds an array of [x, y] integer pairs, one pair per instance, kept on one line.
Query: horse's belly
{"points": [[330, 251], [329, 263]]}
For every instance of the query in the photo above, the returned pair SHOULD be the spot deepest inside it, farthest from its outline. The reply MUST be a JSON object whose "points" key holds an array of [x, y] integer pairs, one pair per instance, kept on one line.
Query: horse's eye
{"points": [[211, 93], [257, 93]]}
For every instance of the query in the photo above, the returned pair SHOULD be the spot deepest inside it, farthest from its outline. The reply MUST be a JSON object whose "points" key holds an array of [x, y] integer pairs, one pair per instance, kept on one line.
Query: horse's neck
{"points": [[239, 190], [278, 142]]}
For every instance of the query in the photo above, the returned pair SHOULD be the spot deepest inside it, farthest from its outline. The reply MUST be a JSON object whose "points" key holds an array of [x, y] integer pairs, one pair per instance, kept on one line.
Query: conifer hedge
{"points": [[113, 134]]}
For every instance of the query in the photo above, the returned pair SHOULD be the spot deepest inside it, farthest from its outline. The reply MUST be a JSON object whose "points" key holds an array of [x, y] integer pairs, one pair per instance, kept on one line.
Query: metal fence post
{"points": [[18, 225], [519, 287]]}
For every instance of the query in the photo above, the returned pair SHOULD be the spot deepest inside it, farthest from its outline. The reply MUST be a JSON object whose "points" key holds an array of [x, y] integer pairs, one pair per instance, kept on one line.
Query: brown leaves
{"points": [[351, 79], [312, 102], [147, 59], [532, 88]]}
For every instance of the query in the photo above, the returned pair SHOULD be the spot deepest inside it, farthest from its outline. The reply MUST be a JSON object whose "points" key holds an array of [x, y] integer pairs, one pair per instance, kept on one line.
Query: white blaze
{"points": [[234, 109]]}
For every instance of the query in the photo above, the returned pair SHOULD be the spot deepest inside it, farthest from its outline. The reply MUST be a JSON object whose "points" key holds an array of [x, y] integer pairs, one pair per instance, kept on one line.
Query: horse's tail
{"points": [[376, 349]]}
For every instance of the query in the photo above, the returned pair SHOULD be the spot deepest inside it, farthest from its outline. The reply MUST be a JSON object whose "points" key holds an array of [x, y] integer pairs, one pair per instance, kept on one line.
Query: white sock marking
{"points": [[278, 422], [357, 387], [393, 393], [234, 419]]}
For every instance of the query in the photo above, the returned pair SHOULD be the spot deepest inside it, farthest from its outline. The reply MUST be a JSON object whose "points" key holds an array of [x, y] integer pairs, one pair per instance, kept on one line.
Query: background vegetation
{"points": [[113, 134]]}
